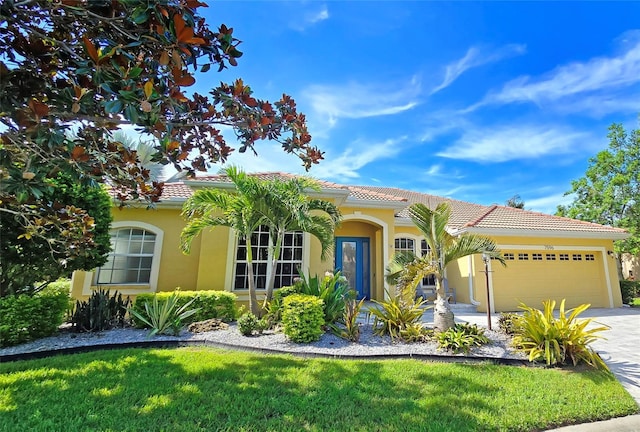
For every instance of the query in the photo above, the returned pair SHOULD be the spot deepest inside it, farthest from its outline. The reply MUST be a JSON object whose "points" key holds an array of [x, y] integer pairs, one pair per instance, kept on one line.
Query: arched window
{"points": [[134, 257]]}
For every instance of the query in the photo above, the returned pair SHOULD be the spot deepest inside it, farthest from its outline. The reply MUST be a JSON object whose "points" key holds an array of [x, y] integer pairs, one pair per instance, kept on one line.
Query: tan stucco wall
{"points": [[631, 267], [210, 264]]}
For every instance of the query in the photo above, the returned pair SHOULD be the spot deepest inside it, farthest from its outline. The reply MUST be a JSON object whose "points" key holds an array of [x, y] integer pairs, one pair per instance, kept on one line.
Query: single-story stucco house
{"points": [[547, 256]]}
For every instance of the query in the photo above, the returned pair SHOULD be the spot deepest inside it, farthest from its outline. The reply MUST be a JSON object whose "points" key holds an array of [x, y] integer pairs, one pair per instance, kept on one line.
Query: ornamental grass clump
{"points": [[303, 318], [557, 341]]}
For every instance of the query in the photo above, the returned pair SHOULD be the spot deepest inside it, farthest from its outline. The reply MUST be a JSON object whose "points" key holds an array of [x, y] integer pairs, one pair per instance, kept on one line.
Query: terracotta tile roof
{"points": [[464, 215], [359, 193], [177, 190], [221, 178], [461, 211], [508, 217], [495, 217]]}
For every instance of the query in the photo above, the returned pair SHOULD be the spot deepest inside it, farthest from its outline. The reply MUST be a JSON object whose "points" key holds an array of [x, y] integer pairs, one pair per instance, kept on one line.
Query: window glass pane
{"points": [[147, 247], [125, 263]]}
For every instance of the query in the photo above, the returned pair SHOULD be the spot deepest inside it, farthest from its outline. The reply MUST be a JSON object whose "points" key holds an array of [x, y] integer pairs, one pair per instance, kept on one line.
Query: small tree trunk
{"points": [[619, 266], [274, 267], [253, 298], [442, 315]]}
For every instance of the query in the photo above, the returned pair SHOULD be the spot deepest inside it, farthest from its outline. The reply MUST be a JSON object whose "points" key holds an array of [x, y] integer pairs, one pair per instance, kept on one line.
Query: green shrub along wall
{"points": [[303, 317], [630, 290], [212, 304], [24, 318]]}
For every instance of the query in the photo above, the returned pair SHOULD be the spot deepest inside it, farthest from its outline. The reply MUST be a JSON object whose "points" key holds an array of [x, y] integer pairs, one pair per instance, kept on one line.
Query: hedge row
{"points": [[211, 304], [630, 290], [24, 318]]}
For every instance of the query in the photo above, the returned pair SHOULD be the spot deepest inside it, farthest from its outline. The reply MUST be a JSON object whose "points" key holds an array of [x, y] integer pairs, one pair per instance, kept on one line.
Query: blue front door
{"points": [[352, 259]]}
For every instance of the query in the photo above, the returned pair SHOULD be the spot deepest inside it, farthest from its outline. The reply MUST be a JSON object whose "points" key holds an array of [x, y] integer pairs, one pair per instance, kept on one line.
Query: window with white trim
{"points": [[577, 257], [589, 257], [523, 256], [405, 245], [551, 257], [536, 256], [431, 279], [130, 259], [564, 257], [508, 256], [286, 267]]}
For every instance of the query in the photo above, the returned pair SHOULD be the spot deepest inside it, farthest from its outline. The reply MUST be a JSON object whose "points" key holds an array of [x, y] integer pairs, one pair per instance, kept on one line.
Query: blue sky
{"points": [[473, 101]]}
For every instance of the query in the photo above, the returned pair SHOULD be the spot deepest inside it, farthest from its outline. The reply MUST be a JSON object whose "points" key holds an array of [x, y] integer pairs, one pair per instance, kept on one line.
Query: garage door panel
{"points": [[532, 277]]}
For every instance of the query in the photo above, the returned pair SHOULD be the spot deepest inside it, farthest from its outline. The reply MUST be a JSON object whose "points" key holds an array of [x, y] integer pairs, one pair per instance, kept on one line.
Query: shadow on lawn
{"points": [[200, 389]]}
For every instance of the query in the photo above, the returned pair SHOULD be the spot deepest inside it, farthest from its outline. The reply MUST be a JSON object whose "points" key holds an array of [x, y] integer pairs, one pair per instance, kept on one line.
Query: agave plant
{"points": [[558, 340], [165, 317]]}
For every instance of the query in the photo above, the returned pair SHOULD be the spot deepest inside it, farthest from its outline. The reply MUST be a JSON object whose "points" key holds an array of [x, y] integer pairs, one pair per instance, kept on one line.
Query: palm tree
{"points": [[281, 206], [444, 249], [208, 208], [286, 208]]}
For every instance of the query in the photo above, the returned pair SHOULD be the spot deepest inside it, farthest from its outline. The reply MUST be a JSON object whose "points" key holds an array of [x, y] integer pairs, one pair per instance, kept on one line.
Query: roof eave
{"points": [[394, 205], [604, 235]]}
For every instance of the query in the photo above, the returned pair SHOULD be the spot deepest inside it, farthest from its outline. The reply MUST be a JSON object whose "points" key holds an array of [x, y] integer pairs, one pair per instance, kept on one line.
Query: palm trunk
{"points": [[253, 299], [442, 314], [274, 267]]}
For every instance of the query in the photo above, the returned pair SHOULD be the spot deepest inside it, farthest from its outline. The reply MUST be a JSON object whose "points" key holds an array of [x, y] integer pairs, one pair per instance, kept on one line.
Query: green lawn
{"points": [[635, 302], [202, 389]]}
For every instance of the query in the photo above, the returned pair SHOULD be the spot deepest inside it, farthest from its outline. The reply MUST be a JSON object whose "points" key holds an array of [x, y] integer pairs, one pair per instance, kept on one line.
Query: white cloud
{"points": [[356, 156], [476, 57], [582, 86], [354, 100], [310, 18], [434, 170], [548, 204], [515, 142]]}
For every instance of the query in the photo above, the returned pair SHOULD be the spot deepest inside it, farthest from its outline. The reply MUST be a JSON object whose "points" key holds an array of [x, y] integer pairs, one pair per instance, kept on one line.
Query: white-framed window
{"points": [[291, 255], [134, 258], [508, 256], [577, 257], [564, 257], [589, 257], [551, 257], [406, 244], [523, 256], [536, 256]]}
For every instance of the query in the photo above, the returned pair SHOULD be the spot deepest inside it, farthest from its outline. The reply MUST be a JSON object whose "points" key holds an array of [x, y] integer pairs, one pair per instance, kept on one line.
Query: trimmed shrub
{"points": [[101, 311], [24, 318], [248, 323], [275, 306], [557, 341], [629, 290], [210, 304], [333, 289], [303, 317]]}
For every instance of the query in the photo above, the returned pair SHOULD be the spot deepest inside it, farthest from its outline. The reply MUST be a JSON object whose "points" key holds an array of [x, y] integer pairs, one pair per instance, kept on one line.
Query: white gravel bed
{"points": [[329, 344]]}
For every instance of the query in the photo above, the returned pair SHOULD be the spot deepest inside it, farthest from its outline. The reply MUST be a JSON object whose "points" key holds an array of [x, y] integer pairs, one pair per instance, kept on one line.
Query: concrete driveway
{"points": [[621, 349]]}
